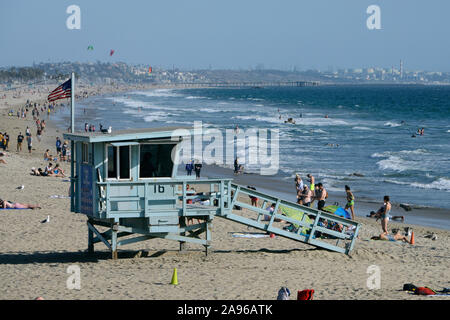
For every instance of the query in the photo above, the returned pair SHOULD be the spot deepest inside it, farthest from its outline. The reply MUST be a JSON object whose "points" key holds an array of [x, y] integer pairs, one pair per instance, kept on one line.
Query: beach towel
{"points": [[339, 211], [59, 197], [297, 215], [249, 235], [424, 291], [305, 294]]}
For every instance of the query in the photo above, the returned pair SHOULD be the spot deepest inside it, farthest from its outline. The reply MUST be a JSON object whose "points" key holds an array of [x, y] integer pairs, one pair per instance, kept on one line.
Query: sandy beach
{"points": [[34, 256]]}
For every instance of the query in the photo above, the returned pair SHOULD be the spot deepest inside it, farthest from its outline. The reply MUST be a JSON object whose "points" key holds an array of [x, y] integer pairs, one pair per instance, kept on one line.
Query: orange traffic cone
{"points": [[412, 238]]}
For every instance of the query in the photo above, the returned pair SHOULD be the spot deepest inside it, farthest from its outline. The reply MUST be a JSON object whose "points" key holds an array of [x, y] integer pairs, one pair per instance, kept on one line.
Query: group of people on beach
{"points": [[61, 153], [37, 110], [49, 171], [89, 127], [384, 214], [309, 192]]}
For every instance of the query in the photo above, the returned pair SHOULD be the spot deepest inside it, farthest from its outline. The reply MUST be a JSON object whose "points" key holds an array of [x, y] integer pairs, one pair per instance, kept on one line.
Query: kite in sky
{"points": [[90, 47], [111, 52], [149, 70]]}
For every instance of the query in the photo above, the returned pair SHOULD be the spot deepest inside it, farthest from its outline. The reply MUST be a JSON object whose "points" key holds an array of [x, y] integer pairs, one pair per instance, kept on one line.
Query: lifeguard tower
{"points": [[127, 181]]}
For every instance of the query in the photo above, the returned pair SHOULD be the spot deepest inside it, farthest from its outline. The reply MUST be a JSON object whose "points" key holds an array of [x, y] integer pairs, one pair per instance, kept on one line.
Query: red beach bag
{"points": [[305, 294]]}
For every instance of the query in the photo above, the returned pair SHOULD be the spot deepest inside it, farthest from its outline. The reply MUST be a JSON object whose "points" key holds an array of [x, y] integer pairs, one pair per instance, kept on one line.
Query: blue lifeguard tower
{"points": [[127, 182]]}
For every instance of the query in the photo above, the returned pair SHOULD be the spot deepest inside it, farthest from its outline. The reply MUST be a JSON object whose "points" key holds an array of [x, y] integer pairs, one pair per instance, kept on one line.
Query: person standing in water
{"points": [[350, 201]]}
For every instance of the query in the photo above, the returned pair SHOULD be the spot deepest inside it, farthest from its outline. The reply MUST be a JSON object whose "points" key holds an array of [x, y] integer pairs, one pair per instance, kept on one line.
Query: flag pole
{"points": [[72, 103]]}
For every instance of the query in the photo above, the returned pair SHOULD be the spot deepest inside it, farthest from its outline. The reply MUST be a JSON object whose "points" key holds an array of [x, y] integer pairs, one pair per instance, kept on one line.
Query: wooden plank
{"points": [[99, 236], [134, 240]]}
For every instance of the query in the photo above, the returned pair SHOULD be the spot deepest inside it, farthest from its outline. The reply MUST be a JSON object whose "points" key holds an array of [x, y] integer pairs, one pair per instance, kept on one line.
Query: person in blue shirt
{"points": [[189, 168], [58, 145]]}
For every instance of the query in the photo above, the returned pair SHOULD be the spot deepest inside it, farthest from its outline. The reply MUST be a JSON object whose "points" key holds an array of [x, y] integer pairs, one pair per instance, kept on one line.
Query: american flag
{"points": [[62, 92]]}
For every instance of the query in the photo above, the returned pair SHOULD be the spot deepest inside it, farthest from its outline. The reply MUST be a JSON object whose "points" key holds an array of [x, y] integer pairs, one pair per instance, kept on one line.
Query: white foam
{"points": [[194, 97], [209, 110], [398, 164], [329, 184], [404, 152], [320, 122], [314, 122], [397, 182], [394, 163], [155, 116], [263, 119], [392, 124], [318, 131], [157, 93], [362, 128], [179, 122], [439, 184], [135, 103]]}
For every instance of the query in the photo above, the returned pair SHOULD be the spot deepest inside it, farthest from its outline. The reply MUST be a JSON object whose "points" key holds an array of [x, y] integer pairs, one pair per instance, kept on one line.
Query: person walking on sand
{"points": [[350, 201], [58, 146], [38, 133], [189, 168], [20, 138], [197, 169], [238, 168], [30, 143]]}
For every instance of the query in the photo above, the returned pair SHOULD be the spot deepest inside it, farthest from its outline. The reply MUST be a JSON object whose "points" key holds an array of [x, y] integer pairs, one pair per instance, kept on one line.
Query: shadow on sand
{"points": [[84, 257]]}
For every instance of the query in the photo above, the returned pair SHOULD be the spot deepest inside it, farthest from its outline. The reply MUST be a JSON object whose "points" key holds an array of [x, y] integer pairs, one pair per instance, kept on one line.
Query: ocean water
{"points": [[368, 131]]}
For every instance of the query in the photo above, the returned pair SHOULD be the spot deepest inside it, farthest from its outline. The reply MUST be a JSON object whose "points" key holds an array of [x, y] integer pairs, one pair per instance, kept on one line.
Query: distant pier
{"points": [[258, 84]]}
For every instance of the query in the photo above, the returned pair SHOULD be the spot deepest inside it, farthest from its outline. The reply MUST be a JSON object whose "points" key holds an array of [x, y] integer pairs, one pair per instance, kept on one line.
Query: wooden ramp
{"points": [[305, 224]]}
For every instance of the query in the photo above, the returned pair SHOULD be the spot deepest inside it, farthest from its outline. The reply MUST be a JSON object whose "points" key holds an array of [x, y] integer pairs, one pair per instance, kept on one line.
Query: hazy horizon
{"points": [[229, 35]]}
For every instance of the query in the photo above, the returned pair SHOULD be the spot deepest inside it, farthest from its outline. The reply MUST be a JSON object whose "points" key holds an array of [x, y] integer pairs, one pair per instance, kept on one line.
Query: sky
{"points": [[231, 34]]}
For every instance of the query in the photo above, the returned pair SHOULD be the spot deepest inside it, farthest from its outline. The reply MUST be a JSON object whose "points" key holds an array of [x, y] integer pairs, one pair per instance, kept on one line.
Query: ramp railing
{"points": [[308, 225], [138, 199]]}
